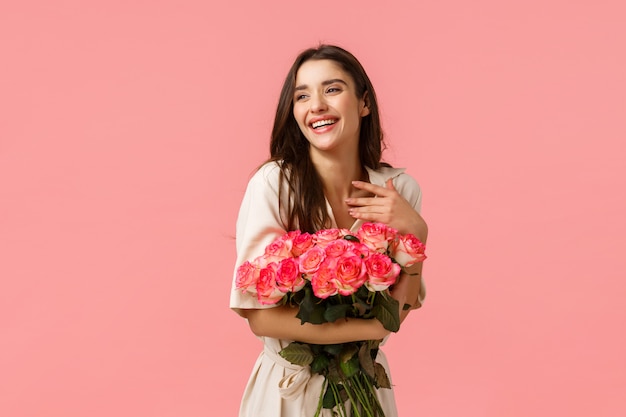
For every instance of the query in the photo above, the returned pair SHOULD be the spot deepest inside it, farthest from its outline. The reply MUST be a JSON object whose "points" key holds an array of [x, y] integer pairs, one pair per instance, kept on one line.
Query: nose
{"points": [[318, 103]]}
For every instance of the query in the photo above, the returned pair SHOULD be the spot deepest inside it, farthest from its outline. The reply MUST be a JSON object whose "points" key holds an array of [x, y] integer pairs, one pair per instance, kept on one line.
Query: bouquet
{"points": [[330, 275]]}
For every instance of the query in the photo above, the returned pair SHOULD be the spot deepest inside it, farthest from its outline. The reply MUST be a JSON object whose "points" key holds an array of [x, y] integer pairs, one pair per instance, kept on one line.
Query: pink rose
{"points": [[323, 281], [325, 236], [360, 250], [376, 236], [247, 276], [381, 272], [267, 290], [288, 276], [311, 260], [302, 243], [280, 248], [338, 247], [408, 250], [266, 259], [290, 235], [350, 274]]}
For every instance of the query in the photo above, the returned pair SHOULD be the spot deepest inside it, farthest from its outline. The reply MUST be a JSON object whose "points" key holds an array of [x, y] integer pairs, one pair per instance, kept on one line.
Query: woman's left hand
{"points": [[388, 207]]}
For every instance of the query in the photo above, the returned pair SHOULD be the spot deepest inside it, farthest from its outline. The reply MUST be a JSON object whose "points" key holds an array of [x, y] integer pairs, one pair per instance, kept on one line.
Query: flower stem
{"points": [[363, 396], [321, 400], [372, 296], [375, 398], [338, 402], [355, 409]]}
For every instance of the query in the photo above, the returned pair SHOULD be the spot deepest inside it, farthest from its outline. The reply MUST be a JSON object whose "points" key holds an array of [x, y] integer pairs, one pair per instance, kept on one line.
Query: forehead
{"points": [[316, 71]]}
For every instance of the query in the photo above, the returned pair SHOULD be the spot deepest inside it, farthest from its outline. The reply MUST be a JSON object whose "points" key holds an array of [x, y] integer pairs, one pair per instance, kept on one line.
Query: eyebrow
{"points": [[327, 82]]}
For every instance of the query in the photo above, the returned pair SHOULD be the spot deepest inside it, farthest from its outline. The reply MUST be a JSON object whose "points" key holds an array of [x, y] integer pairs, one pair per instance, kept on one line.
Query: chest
{"points": [[339, 210]]}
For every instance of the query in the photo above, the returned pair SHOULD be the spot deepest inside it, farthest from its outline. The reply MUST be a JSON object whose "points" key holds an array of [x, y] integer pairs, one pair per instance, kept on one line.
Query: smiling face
{"points": [[327, 108]]}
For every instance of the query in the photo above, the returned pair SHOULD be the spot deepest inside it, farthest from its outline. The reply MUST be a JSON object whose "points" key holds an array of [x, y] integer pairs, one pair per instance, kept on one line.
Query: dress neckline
{"points": [[377, 177], [355, 225]]}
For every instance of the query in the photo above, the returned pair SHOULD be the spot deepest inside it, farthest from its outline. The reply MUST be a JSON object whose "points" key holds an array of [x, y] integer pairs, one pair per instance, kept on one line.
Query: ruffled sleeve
{"points": [[259, 223]]}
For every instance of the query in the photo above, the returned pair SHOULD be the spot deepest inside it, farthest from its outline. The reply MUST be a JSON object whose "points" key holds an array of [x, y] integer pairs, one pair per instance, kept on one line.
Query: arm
{"points": [[258, 224], [400, 210], [282, 323], [408, 290]]}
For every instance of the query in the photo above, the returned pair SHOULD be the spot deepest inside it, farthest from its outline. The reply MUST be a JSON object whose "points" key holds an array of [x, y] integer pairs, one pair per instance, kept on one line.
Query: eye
{"points": [[332, 90], [300, 97]]}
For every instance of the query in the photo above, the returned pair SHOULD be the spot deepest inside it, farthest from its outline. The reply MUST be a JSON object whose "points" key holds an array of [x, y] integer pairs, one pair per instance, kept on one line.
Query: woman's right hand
{"points": [[388, 207]]}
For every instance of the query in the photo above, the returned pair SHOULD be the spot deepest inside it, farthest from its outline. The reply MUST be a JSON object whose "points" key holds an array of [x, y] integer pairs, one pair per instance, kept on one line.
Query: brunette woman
{"points": [[325, 171]]}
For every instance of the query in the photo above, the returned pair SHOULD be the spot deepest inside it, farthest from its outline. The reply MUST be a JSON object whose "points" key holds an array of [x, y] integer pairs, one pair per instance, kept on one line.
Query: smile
{"points": [[321, 123]]}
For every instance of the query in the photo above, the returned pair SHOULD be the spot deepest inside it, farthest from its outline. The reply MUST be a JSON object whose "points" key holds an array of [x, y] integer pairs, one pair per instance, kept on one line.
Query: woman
{"points": [[325, 171]]}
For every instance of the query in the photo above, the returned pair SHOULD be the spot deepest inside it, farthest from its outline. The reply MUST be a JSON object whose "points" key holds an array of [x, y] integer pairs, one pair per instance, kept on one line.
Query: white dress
{"points": [[277, 388]]}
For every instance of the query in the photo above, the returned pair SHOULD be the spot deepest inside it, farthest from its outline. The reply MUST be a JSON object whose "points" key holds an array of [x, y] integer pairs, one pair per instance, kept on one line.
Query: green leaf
{"points": [[349, 359], [333, 313], [319, 364], [352, 238], [334, 350], [329, 397], [295, 298], [360, 306], [311, 310], [297, 354], [362, 292], [350, 367], [387, 312]]}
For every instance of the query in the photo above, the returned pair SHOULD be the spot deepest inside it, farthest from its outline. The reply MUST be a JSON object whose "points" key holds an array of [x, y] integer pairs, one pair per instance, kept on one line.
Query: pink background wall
{"points": [[128, 130]]}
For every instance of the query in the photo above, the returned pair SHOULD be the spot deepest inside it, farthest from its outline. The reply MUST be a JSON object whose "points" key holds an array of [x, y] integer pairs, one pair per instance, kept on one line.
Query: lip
{"points": [[325, 128]]}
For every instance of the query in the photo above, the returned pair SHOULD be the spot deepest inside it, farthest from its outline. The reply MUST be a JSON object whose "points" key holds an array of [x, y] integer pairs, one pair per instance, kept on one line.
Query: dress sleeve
{"points": [[411, 191], [259, 223]]}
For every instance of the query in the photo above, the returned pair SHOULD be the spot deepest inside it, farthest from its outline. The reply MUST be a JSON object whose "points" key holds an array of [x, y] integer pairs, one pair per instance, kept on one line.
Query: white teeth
{"points": [[322, 123]]}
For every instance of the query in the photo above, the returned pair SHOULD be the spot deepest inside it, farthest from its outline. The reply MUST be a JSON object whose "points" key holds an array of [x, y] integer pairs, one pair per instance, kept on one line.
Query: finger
{"points": [[364, 201], [389, 185], [372, 188], [369, 216], [368, 210]]}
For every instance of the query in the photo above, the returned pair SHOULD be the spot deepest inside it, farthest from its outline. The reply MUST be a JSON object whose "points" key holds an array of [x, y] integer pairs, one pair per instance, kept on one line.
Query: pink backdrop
{"points": [[128, 130]]}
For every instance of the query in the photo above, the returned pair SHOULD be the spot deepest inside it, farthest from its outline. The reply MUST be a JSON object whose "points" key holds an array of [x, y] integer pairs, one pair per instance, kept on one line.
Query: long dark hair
{"points": [[307, 206]]}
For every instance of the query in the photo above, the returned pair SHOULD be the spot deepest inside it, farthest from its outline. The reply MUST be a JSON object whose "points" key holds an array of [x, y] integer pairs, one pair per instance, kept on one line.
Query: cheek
{"points": [[298, 114], [300, 117]]}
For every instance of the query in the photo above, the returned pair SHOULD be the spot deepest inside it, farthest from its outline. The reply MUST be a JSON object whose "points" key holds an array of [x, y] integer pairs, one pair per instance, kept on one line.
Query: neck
{"points": [[337, 176]]}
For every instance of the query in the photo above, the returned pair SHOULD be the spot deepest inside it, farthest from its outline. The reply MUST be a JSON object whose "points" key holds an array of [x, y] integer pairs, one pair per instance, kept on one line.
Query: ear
{"points": [[365, 105]]}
